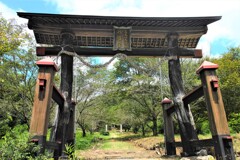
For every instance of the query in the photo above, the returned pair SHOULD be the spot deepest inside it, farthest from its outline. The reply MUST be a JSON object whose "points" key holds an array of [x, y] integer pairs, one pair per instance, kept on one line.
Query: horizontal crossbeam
{"points": [[52, 145], [105, 52], [198, 143], [193, 95], [57, 97]]}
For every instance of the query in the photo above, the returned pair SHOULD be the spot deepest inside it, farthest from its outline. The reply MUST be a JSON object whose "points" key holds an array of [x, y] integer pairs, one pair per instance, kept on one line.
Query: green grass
{"points": [[90, 140], [116, 145]]}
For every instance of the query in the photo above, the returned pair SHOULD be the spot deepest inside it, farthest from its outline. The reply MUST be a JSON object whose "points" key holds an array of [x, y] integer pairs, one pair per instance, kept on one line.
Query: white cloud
{"points": [[227, 27], [9, 13]]}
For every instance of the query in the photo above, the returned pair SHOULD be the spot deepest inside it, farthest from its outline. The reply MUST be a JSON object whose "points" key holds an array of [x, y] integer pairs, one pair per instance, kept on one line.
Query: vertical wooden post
{"points": [[70, 131], [168, 128], [42, 99], [66, 88], [71, 125], [216, 112], [187, 130]]}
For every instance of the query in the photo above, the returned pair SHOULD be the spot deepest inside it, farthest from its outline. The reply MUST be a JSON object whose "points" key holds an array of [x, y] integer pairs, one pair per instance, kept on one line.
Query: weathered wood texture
{"points": [[193, 96], [215, 106], [168, 128], [216, 112], [42, 99], [58, 97], [147, 52], [66, 87], [70, 132], [187, 129], [97, 31]]}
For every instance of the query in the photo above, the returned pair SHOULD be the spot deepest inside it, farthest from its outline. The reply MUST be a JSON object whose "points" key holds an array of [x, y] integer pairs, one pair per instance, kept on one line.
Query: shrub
{"points": [[234, 122], [205, 128], [15, 145], [104, 133]]}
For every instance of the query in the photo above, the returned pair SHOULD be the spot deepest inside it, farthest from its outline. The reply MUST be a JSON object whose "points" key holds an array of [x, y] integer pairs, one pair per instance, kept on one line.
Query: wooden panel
{"points": [[40, 112], [215, 106]]}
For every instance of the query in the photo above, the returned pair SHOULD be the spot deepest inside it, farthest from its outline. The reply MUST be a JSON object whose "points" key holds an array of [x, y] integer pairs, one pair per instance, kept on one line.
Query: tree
{"points": [[139, 81], [90, 85], [229, 77], [17, 73]]}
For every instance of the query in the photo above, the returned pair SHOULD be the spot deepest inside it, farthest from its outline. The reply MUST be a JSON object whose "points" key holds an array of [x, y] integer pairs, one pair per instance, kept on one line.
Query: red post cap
{"points": [[166, 101], [206, 65], [47, 62]]}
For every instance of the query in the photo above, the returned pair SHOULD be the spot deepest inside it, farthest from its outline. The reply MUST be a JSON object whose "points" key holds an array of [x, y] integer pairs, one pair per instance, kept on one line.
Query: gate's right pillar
{"points": [[216, 113]]}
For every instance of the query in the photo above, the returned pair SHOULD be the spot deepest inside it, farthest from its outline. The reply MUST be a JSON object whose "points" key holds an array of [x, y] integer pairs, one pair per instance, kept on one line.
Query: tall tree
{"points": [[229, 76], [17, 72], [139, 82]]}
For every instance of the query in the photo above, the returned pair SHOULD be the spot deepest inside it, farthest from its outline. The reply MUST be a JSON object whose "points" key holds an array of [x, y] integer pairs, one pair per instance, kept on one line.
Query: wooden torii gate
{"points": [[106, 36]]}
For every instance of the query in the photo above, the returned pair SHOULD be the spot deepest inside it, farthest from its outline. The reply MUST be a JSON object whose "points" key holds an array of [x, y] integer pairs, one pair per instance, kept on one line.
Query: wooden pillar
{"points": [[169, 140], [66, 89], [216, 112], [71, 125], [187, 130], [42, 99], [70, 129]]}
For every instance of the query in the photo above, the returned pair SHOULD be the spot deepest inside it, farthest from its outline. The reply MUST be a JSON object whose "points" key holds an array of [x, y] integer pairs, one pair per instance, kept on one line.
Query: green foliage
{"points": [[234, 122], [70, 151], [83, 143], [105, 133], [17, 73], [15, 145], [5, 120], [229, 76], [205, 128], [10, 35]]}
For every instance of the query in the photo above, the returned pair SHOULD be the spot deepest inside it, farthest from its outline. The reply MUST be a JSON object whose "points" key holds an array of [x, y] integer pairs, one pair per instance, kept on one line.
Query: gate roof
{"points": [[97, 31]]}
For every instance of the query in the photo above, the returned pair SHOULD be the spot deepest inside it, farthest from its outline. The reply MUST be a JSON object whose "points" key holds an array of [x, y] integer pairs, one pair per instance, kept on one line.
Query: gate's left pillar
{"points": [[169, 140], [42, 99]]}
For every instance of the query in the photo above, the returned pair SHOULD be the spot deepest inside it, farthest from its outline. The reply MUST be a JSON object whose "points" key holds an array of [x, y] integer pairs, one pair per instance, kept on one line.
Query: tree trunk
{"points": [[143, 130], [154, 127], [83, 130]]}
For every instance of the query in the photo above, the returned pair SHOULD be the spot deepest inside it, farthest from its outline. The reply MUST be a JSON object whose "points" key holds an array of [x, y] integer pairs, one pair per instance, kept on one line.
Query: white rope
{"points": [[118, 55]]}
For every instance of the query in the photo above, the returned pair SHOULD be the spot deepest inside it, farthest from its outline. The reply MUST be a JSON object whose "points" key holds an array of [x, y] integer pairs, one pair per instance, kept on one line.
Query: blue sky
{"points": [[221, 35]]}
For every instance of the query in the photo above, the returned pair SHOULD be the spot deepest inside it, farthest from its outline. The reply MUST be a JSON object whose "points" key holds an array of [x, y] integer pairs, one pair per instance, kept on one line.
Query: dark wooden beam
{"points": [[168, 128], [186, 127], [58, 97], [52, 145], [198, 143], [203, 143], [148, 52], [193, 95], [66, 89]]}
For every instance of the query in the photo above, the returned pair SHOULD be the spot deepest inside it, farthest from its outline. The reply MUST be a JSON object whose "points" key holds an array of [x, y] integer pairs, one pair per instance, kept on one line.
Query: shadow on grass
{"points": [[129, 137]]}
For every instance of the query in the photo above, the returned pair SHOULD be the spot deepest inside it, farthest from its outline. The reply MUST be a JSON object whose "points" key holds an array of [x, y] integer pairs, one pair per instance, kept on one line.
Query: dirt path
{"points": [[113, 149]]}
